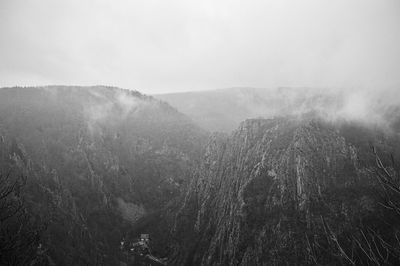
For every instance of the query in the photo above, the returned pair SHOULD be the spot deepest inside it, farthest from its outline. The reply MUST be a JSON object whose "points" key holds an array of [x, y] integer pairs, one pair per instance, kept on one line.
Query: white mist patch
{"points": [[95, 114], [356, 107], [128, 103], [368, 106], [112, 107], [98, 113]]}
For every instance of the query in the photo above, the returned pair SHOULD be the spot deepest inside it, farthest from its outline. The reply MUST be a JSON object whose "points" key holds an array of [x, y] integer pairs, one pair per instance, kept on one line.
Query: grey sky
{"points": [[163, 46]]}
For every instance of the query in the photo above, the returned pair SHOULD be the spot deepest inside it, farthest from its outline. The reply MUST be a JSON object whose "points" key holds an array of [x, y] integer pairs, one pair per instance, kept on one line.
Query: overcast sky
{"points": [[164, 46]]}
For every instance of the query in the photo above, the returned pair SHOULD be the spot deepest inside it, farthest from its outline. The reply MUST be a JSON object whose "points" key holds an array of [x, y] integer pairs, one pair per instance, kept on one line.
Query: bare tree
{"points": [[364, 244]]}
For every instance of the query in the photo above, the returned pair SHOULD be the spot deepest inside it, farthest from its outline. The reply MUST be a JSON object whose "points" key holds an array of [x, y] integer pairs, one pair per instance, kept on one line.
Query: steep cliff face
{"points": [[97, 160], [262, 191]]}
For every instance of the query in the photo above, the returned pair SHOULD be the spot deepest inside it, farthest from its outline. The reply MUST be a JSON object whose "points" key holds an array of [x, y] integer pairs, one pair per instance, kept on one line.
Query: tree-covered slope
{"points": [[97, 159]]}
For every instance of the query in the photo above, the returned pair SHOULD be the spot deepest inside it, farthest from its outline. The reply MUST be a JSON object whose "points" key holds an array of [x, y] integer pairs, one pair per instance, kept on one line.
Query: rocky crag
{"points": [[281, 192]]}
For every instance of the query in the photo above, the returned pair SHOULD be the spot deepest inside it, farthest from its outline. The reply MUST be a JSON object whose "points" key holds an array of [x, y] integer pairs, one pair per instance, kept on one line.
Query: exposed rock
{"points": [[255, 197], [130, 211]]}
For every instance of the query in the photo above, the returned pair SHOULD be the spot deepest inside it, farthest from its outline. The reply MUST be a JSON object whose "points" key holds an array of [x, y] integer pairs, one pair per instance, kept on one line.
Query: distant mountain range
{"points": [[224, 109]]}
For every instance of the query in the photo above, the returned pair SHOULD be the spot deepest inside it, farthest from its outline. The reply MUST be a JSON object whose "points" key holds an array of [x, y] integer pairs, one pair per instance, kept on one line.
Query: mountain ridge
{"points": [[256, 196], [97, 159], [224, 109]]}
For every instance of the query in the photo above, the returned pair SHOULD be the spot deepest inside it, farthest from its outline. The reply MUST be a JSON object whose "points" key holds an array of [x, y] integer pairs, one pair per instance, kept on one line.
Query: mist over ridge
{"points": [[224, 109]]}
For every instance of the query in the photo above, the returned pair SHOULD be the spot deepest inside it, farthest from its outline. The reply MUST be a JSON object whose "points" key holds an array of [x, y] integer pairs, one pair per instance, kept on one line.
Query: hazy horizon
{"points": [[160, 47]]}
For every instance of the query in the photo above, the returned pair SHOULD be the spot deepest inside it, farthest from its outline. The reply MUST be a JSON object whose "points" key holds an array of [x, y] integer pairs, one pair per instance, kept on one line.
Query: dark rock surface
{"points": [[260, 193]]}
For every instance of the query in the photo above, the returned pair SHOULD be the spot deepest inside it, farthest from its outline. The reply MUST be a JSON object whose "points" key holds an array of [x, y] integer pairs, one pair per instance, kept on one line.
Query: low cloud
{"points": [[368, 106], [111, 106]]}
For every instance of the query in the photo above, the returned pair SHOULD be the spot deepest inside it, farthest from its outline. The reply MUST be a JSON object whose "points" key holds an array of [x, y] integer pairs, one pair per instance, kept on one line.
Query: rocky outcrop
{"points": [[259, 193]]}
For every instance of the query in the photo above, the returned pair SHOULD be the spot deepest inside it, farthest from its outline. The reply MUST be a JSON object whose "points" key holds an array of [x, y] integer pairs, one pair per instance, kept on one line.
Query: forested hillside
{"points": [[95, 161]]}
